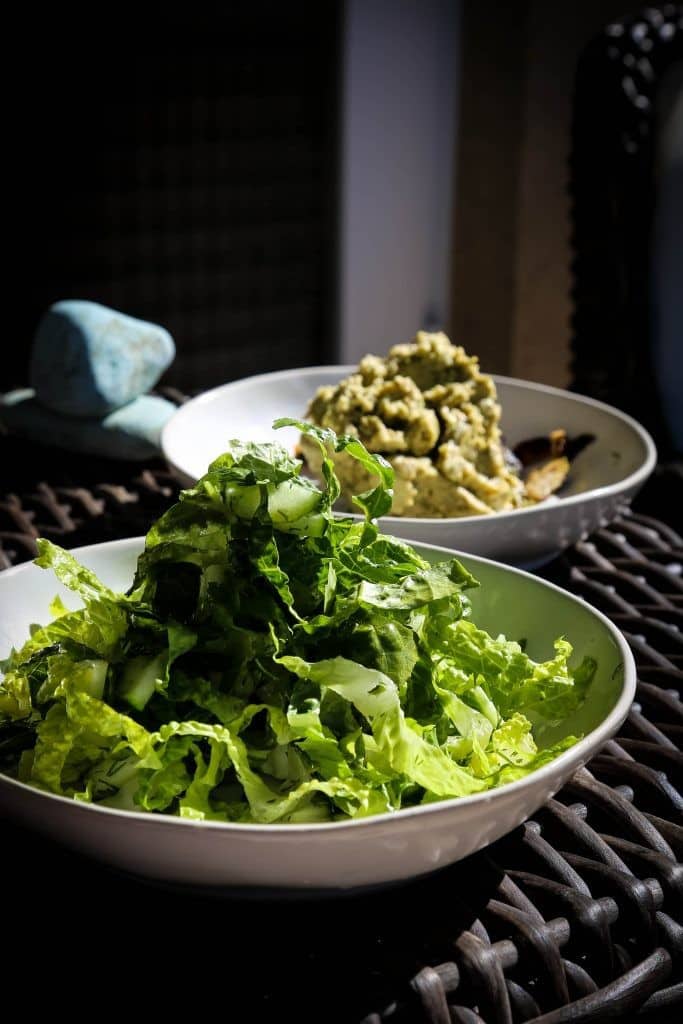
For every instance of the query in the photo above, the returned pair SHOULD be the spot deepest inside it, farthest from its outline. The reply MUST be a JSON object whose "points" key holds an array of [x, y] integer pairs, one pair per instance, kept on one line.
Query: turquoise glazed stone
{"points": [[89, 360], [131, 433]]}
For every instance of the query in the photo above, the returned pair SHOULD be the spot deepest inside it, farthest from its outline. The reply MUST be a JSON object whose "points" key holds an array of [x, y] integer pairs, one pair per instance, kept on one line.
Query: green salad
{"points": [[273, 662]]}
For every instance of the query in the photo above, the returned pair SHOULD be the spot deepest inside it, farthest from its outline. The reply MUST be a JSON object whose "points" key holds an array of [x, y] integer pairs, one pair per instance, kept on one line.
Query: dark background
{"points": [[177, 163], [184, 164]]}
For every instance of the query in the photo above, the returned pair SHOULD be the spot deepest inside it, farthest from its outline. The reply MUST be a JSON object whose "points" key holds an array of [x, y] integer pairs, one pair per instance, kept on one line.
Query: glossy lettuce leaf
{"points": [[70, 572], [374, 503], [98, 629], [511, 679], [376, 697]]}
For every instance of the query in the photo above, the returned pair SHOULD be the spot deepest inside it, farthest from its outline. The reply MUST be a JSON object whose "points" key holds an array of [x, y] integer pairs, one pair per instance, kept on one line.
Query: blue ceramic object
{"points": [[89, 360], [131, 432]]}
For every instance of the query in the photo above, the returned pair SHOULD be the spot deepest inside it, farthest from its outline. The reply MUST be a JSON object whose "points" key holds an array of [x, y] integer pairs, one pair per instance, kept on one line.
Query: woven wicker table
{"points": [[575, 916]]}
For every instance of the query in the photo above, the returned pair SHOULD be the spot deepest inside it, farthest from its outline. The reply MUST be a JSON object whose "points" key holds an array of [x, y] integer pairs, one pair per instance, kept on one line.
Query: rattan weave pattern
{"points": [[580, 918], [77, 515], [584, 923]]}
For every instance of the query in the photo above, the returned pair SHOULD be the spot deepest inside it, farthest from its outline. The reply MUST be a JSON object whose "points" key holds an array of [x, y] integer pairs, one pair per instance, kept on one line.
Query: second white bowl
{"points": [[604, 476]]}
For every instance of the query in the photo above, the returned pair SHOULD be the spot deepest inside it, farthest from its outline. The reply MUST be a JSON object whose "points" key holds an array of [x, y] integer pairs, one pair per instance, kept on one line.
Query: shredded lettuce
{"points": [[273, 662]]}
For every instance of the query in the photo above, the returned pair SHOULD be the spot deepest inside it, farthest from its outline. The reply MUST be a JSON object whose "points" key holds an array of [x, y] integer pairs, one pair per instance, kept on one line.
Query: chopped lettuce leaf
{"points": [[275, 663]]}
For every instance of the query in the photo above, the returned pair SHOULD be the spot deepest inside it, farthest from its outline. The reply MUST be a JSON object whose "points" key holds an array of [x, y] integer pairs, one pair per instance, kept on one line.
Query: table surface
{"points": [[575, 916]]}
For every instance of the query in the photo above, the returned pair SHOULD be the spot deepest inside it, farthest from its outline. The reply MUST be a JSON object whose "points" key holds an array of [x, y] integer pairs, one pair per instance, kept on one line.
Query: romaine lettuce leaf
{"points": [[274, 662]]}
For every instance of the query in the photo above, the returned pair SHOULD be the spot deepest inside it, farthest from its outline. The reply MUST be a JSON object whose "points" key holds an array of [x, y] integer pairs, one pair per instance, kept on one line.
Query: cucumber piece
{"points": [[92, 675], [140, 677], [291, 501]]}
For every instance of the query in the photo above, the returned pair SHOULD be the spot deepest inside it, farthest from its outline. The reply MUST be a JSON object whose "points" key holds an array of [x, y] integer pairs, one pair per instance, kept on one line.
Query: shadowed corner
{"points": [[316, 955]]}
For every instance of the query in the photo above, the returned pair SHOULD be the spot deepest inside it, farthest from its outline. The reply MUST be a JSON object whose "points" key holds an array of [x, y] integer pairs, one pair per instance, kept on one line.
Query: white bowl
{"points": [[604, 476], [337, 855]]}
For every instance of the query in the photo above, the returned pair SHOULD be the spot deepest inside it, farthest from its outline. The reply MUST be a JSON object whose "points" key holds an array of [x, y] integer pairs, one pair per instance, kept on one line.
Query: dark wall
{"points": [[177, 164]]}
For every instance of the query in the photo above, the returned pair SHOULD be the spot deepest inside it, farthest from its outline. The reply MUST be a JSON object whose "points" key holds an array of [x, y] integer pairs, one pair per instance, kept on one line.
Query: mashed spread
{"points": [[434, 415]]}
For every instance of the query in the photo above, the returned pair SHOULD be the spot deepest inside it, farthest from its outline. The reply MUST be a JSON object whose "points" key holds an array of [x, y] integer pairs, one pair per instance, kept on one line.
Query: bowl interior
{"points": [[619, 448], [246, 409], [510, 602]]}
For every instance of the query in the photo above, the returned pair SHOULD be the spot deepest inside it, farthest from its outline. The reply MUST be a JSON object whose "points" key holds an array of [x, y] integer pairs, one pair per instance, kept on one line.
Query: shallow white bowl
{"points": [[339, 855], [604, 476]]}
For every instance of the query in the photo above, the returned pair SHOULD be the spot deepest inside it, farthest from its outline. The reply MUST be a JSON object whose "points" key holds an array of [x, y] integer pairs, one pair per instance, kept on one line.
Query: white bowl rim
{"points": [[633, 480], [579, 752]]}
